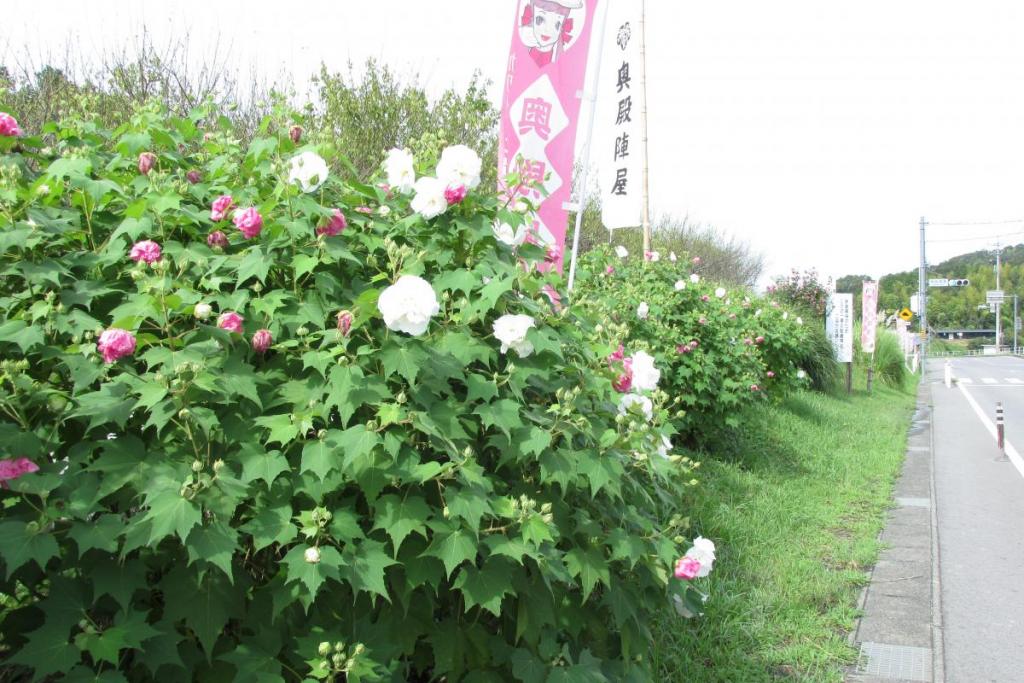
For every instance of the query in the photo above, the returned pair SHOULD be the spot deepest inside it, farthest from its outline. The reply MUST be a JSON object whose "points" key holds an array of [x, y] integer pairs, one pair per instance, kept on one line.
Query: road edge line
{"points": [[1011, 452]]}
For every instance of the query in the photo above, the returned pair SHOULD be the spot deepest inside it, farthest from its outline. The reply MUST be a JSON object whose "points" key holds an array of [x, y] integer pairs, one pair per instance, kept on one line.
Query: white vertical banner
{"points": [[869, 316], [620, 148], [839, 326]]}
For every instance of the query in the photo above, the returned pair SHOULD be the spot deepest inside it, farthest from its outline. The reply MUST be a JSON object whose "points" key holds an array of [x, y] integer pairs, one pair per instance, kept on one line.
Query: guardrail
{"points": [[1018, 351]]}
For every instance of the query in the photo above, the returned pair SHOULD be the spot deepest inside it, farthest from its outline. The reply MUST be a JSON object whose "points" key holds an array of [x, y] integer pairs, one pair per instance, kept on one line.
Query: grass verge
{"points": [[795, 503]]}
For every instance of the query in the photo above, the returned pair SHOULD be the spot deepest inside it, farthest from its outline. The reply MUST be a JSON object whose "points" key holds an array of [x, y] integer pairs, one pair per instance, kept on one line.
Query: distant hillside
{"points": [[954, 307]]}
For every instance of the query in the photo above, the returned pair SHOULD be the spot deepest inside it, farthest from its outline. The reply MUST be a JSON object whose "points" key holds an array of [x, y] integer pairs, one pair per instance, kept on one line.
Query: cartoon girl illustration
{"points": [[547, 28]]}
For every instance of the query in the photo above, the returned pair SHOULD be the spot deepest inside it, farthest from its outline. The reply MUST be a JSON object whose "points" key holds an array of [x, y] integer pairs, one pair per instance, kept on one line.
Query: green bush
{"points": [[818, 359], [720, 349], [267, 480]]}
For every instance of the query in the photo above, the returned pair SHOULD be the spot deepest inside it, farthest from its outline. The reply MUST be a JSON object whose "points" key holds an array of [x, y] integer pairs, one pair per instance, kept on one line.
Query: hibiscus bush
{"points": [[262, 420], [719, 349]]}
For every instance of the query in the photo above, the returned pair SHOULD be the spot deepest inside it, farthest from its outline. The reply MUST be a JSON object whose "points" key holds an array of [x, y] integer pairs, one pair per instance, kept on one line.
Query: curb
{"points": [[898, 634]]}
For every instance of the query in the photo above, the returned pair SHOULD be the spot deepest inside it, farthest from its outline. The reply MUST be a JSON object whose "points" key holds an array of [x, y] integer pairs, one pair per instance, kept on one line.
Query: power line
{"points": [[957, 224], [976, 239]]}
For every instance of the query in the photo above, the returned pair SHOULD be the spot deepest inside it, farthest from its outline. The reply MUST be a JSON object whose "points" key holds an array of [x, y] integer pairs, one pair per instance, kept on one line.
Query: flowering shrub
{"points": [[348, 438], [718, 350], [804, 292]]}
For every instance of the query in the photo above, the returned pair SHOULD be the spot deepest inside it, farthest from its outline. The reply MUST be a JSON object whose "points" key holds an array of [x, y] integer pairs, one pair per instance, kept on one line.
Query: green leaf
{"points": [[320, 456], [167, 201], [104, 646], [527, 668], [210, 602], [470, 504], [169, 512], [304, 263], [283, 428], [258, 463], [271, 525], [312, 575], [100, 533], [405, 359], [356, 443], [118, 580], [484, 587], [399, 517], [503, 414], [480, 388], [18, 545], [589, 565], [21, 333], [533, 441], [457, 280], [215, 543], [255, 264], [452, 548], [364, 567], [48, 651]]}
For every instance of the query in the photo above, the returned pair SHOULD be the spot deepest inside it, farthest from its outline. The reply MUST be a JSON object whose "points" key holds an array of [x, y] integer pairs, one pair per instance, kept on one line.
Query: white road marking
{"points": [[1011, 452], [965, 380], [1014, 380], [989, 380]]}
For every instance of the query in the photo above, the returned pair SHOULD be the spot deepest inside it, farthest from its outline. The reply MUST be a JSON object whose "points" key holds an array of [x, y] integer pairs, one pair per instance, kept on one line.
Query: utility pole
{"points": [[1016, 323], [645, 212], [922, 297], [999, 325]]}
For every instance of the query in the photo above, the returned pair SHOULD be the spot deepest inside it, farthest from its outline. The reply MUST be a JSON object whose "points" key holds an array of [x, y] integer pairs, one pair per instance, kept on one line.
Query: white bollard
{"points": [[949, 374]]}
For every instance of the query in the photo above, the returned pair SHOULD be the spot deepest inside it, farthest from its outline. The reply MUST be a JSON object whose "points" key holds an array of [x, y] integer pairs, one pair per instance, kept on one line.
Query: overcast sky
{"points": [[818, 131]]}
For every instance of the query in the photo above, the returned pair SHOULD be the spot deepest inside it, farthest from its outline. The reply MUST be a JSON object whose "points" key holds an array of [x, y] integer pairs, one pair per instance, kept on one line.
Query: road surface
{"points": [[979, 502]]}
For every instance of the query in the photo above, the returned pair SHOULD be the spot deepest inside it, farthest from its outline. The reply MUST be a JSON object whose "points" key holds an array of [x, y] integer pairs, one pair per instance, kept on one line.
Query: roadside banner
{"points": [[547, 65], [839, 326], [620, 151], [869, 317]]}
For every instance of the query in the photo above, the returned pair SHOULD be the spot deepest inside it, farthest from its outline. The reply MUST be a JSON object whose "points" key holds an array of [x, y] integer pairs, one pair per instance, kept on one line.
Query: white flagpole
{"points": [[645, 214], [581, 193]]}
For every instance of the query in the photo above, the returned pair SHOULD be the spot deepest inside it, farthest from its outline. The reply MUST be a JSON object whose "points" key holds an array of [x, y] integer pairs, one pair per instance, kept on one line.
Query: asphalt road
{"points": [[979, 502]]}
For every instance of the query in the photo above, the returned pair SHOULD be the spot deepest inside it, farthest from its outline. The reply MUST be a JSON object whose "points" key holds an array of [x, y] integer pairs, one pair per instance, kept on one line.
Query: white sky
{"points": [[818, 131]]}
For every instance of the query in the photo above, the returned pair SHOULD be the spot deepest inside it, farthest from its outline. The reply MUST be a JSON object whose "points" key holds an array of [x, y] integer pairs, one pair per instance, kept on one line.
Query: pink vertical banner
{"points": [[547, 66], [869, 317]]}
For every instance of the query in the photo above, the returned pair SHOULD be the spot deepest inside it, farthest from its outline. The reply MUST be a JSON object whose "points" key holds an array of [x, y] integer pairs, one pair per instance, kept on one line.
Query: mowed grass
{"points": [[795, 503]]}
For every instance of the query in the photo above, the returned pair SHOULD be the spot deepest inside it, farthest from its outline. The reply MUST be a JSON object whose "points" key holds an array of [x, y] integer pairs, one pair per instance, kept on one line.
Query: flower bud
{"points": [[345, 319], [324, 649], [446, 512], [146, 162], [359, 649], [261, 341], [197, 466], [312, 555], [203, 311], [194, 177], [295, 133], [257, 287], [218, 465], [302, 331], [184, 413], [217, 240]]}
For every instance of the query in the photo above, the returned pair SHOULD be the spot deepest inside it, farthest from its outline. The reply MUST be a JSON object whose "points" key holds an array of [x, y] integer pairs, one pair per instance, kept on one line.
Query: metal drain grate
{"points": [[895, 661]]}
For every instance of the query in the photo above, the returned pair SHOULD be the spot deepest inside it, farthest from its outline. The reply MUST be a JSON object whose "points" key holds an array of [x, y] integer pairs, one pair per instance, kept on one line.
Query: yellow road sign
{"points": [[906, 314]]}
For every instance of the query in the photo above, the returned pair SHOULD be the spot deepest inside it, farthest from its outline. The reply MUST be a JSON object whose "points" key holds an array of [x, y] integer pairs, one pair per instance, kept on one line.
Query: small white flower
{"points": [[400, 170], [621, 252], [309, 170], [506, 234], [720, 292], [680, 285], [799, 320], [384, 210], [655, 257], [43, 189], [757, 313], [408, 305], [203, 311], [429, 201], [645, 375], [785, 315], [521, 206], [511, 331], [459, 165], [665, 447], [627, 402], [643, 310], [801, 374], [694, 278], [672, 256], [312, 555]]}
